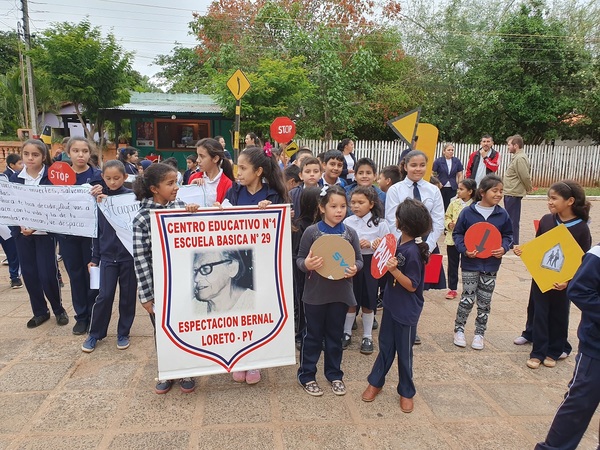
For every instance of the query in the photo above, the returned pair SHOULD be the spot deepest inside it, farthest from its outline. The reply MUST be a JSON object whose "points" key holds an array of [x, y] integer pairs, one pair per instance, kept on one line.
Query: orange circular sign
{"points": [[483, 237], [384, 251]]}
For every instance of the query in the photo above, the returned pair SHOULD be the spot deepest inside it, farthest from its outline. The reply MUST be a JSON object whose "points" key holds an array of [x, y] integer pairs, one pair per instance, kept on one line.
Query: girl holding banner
{"points": [[254, 165], [77, 250], [37, 249], [156, 188]]}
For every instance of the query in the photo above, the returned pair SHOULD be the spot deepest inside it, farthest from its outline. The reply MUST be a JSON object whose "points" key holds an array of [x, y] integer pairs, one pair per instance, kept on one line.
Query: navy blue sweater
{"points": [[107, 246], [584, 292], [470, 216]]}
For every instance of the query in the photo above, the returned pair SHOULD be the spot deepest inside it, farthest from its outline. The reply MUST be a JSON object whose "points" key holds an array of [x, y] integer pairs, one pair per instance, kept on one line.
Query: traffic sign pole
{"points": [[236, 130]]}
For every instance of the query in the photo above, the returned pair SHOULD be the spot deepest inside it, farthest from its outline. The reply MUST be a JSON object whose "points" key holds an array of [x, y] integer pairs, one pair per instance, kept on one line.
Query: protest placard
{"points": [[223, 290], [119, 211], [55, 209]]}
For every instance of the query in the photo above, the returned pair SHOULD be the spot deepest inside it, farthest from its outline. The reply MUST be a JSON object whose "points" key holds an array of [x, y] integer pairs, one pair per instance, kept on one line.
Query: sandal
{"points": [[312, 388], [338, 387]]}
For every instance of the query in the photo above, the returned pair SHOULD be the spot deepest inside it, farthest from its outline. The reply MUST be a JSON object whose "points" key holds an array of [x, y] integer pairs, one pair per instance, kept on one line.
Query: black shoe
{"points": [[36, 321], [417, 340], [366, 347], [354, 326], [375, 324], [62, 319], [16, 283], [346, 341], [80, 328]]}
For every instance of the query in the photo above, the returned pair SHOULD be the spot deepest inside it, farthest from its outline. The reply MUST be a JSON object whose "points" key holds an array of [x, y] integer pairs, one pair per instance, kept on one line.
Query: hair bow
{"points": [[418, 240], [267, 149], [324, 191]]}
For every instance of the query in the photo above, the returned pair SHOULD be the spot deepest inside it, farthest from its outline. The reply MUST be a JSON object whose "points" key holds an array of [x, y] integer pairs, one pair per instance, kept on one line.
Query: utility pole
{"points": [[32, 104], [23, 84]]}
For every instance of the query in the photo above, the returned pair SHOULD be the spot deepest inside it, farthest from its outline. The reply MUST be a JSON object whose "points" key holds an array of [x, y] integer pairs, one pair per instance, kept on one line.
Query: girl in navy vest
{"points": [[116, 265], [549, 310], [77, 250], [479, 274], [254, 166], [402, 303], [37, 249]]}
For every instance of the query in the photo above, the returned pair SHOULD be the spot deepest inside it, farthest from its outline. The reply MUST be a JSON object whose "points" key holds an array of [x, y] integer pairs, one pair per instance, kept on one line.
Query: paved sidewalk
{"points": [[53, 396]]}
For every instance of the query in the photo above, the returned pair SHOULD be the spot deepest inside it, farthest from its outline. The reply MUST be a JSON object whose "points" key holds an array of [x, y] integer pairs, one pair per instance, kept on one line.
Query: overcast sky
{"points": [[146, 27]]}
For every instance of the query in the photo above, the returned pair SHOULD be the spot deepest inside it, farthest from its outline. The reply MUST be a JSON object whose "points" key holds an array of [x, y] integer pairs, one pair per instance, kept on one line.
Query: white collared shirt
{"points": [[325, 183], [29, 180], [364, 231], [210, 188], [431, 198]]}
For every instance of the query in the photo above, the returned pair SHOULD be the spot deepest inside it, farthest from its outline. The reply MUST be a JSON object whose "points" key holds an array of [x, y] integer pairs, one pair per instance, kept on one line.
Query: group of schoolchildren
{"points": [[331, 194]]}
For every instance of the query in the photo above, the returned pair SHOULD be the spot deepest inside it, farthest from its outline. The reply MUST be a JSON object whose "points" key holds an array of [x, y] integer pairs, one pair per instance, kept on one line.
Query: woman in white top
{"points": [[346, 146]]}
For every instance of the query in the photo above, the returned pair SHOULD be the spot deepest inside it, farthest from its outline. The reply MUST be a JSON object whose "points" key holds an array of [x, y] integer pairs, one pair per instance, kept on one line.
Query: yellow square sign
{"points": [[553, 257], [238, 84]]}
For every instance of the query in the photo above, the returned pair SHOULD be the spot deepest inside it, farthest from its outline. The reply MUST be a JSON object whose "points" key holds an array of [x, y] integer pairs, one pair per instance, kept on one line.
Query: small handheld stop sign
{"points": [[283, 130], [61, 174], [384, 251], [483, 237]]}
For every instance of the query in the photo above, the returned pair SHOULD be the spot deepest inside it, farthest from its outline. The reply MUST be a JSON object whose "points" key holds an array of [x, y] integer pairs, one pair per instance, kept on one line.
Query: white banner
{"points": [[55, 209], [223, 290], [192, 193], [119, 211]]}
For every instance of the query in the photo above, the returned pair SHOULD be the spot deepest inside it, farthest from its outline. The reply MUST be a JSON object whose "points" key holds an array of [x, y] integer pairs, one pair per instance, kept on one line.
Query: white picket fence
{"points": [[548, 163]]}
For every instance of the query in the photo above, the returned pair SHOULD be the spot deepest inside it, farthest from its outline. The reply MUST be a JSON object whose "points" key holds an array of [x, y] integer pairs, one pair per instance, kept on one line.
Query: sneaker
{"points": [[187, 385], [451, 295], [338, 387], [89, 345], [417, 340], [122, 342], [5, 262], [163, 386], [477, 343], [354, 326], [520, 340], [375, 323], [563, 355], [80, 328], [16, 283], [312, 388], [239, 377], [366, 346], [346, 341], [459, 339], [253, 376], [62, 319], [36, 321]]}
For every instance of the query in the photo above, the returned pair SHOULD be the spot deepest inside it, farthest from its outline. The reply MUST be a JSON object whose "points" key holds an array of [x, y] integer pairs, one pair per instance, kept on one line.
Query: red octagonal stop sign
{"points": [[283, 130], [61, 174]]}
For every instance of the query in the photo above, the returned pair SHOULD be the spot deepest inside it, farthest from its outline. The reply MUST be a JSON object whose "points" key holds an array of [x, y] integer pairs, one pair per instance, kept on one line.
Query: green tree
{"points": [[89, 70]]}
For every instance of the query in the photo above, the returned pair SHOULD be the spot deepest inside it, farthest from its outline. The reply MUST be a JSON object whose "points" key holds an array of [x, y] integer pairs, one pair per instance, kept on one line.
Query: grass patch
{"points": [[589, 191]]}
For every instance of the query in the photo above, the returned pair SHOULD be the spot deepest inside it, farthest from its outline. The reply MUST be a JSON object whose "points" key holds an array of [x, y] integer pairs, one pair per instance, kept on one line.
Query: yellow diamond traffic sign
{"points": [[552, 257], [238, 84]]}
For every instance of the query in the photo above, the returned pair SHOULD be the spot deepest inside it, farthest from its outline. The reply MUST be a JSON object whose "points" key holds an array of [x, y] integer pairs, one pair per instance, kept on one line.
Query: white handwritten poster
{"points": [[56, 209]]}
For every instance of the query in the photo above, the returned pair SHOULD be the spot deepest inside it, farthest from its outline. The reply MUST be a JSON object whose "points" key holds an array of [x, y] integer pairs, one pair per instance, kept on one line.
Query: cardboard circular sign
{"points": [[337, 253], [61, 174], [483, 237], [384, 251], [283, 130]]}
